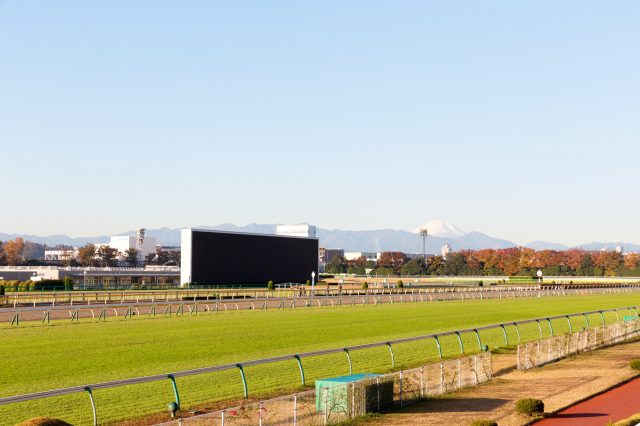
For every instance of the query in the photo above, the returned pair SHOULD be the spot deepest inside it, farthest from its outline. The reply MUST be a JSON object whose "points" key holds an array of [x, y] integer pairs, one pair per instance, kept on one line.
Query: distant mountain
{"points": [[543, 245], [440, 232], [478, 240], [52, 240], [628, 247], [440, 228]]}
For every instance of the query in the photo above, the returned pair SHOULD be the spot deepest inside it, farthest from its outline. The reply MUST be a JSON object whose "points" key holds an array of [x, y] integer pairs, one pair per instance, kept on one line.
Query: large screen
{"points": [[233, 258]]}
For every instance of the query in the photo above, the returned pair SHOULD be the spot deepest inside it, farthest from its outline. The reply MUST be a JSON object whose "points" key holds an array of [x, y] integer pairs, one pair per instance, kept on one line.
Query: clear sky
{"points": [[517, 119]]}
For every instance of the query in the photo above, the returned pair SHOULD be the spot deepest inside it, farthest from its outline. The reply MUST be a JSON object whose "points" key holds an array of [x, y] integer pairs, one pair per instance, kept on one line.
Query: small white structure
{"points": [[445, 250], [122, 243], [620, 249], [355, 255], [303, 230], [60, 255]]}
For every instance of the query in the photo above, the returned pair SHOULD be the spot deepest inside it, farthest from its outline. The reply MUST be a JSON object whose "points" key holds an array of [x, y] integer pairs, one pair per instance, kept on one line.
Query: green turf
{"points": [[37, 358]]}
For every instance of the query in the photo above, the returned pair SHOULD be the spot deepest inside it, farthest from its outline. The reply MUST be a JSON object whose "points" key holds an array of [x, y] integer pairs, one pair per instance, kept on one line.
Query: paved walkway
{"points": [[558, 385], [617, 404]]}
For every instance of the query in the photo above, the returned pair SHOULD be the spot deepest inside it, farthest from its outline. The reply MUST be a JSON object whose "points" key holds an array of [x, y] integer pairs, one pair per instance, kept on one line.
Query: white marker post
{"points": [[539, 274], [313, 282]]}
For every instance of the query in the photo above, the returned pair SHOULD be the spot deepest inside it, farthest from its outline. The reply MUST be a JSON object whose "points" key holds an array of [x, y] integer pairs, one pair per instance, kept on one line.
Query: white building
{"points": [[355, 255], [302, 230], [122, 243], [445, 250], [59, 255]]}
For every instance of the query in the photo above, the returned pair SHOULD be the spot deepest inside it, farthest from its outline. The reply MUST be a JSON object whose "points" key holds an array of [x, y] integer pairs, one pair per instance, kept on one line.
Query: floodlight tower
{"points": [[140, 243], [423, 234]]}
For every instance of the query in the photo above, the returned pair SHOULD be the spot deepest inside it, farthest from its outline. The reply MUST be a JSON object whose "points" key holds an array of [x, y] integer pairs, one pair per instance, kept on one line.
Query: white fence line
{"points": [[373, 394], [545, 351]]}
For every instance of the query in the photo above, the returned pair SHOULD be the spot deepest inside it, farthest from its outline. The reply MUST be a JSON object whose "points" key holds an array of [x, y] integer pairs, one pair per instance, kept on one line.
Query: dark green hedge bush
{"points": [[530, 406], [484, 423]]}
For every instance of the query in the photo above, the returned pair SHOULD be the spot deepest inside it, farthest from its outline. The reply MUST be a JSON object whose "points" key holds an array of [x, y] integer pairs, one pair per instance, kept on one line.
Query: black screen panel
{"points": [[230, 258]]}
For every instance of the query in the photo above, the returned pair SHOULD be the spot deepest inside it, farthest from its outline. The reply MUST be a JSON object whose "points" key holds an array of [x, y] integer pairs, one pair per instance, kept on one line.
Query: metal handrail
{"points": [[111, 305], [235, 365]]}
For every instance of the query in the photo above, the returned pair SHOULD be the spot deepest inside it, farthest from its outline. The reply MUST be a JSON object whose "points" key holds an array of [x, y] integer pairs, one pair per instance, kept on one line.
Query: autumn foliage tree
{"points": [[392, 260], [14, 250]]}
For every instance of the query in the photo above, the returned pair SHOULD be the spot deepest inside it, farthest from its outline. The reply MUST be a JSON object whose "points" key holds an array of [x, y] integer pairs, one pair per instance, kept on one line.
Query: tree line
{"points": [[516, 261], [19, 252]]}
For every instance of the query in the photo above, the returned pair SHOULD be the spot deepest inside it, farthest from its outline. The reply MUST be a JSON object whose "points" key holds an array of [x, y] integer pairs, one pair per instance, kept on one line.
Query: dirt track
{"points": [[558, 385]]}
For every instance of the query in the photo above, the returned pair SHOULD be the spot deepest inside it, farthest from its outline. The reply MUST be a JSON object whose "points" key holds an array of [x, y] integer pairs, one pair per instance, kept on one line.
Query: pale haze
{"points": [[516, 119]]}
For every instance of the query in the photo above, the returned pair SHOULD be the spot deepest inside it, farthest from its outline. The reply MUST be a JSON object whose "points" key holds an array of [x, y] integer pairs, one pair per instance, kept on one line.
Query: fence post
{"points": [[393, 358], [175, 389], [349, 360], [93, 406], [460, 343], [504, 334], [602, 317], [517, 331], [295, 409], [244, 380], [438, 345], [478, 338], [550, 327], [475, 369], [297, 357], [586, 320], [539, 328], [353, 399]]}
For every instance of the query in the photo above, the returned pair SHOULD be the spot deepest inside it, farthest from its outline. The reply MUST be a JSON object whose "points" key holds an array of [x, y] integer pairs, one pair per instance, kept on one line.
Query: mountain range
{"points": [[440, 232]]}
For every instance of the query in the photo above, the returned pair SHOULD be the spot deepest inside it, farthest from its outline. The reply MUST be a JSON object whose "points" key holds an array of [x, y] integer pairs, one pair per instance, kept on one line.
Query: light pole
{"points": [[424, 234]]}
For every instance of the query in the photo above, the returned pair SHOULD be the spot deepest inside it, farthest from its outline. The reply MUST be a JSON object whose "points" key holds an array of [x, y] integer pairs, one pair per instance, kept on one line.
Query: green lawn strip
{"points": [[38, 358]]}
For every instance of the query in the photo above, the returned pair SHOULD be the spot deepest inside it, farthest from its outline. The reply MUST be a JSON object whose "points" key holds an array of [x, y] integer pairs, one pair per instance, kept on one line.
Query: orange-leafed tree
{"points": [[14, 250]]}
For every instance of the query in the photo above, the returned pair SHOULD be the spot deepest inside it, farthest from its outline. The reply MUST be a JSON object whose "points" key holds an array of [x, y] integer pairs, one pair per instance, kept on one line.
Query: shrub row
{"points": [[16, 285]]}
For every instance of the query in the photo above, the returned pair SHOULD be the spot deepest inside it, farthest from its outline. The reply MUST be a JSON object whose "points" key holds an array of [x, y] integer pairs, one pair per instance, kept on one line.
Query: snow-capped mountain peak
{"points": [[440, 228]]}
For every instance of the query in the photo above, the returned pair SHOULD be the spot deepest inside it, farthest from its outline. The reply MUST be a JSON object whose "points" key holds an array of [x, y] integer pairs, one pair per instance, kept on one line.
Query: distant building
{"points": [[326, 255], [59, 255], [620, 249], [411, 256], [122, 243], [445, 250], [354, 255], [302, 230]]}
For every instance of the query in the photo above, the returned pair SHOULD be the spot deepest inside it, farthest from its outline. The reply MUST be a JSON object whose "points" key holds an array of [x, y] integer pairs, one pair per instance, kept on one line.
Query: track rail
{"points": [[239, 365]]}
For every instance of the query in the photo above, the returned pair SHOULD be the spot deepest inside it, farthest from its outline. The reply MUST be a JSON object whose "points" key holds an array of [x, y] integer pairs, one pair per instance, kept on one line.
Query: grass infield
{"points": [[38, 358]]}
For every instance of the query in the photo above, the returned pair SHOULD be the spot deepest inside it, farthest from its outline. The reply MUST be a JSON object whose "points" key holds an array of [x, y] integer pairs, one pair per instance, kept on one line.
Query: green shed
{"points": [[335, 392]]}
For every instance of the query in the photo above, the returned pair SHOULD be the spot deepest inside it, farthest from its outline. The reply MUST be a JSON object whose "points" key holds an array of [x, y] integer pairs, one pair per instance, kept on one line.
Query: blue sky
{"points": [[517, 119]]}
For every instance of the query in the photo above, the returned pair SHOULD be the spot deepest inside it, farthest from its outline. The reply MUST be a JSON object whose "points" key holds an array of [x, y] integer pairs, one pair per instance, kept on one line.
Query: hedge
{"points": [[530, 406], [484, 423]]}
